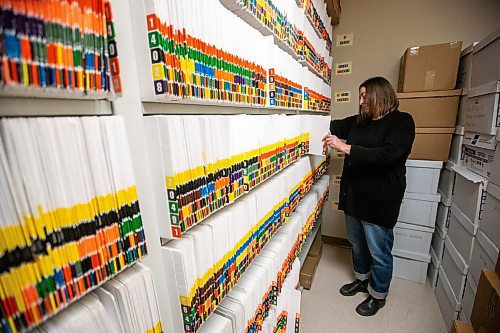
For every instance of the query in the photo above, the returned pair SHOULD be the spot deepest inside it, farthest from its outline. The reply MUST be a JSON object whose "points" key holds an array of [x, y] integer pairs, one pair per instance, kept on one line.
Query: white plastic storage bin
{"points": [[448, 304], [467, 301], [490, 224], [484, 255], [479, 153], [433, 270], [482, 108], [485, 60], [419, 209], [422, 176], [455, 268], [443, 216], [413, 238], [446, 182], [407, 266], [469, 193], [462, 233], [456, 155]]}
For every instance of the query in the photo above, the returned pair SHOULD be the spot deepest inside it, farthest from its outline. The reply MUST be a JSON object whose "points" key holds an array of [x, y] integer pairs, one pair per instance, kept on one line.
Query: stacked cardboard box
{"points": [[469, 186], [416, 220], [427, 79], [308, 269]]}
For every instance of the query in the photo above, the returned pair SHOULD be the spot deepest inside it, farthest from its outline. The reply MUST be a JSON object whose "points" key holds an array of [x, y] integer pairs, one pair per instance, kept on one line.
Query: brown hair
{"points": [[380, 98]]}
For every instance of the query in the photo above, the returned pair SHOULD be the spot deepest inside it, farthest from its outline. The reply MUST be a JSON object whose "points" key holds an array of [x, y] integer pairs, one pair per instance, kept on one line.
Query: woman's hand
{"points": [[334, 142]]}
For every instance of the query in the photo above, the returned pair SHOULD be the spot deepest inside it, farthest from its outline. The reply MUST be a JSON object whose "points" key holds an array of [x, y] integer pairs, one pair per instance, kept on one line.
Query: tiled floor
{"points": [[410, 307]]}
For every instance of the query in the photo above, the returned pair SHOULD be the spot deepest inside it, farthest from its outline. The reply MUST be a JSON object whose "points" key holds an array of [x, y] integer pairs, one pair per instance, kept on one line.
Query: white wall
{"points": [[383, 29]]}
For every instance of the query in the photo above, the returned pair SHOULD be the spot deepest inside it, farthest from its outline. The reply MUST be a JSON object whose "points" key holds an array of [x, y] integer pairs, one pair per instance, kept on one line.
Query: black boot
{"points": [[370, 306], [355, 287]]}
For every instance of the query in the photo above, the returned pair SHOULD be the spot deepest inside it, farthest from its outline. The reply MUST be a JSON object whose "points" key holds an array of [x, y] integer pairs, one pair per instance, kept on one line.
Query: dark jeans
{"points": [[371, 254]]}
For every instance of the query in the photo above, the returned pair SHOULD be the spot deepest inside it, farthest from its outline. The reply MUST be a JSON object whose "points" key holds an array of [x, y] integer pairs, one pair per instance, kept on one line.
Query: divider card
{"points": [[59, 48], [71, 218], [213, 256]]}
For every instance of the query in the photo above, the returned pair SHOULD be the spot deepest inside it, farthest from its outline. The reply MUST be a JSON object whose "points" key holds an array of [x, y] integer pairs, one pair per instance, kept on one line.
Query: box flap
{"points": [[480, 140], [494, 190], [430, 94], [412, 255], [486, 41], [424, 164], [459, 130], [422, 197], [469, 175], [457, 258], [463, 220], [488, 246], [443, 279], [485, 89], [416, 227]]}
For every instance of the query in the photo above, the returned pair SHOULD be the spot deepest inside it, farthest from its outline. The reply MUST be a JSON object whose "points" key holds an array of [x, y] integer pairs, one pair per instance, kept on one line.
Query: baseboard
{"points": [[337, 241]]}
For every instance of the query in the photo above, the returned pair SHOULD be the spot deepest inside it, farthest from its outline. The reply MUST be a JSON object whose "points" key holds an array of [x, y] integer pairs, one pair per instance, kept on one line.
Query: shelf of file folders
{"points": [[290, 29], [69, 217], [59, 49], [194, 65], [126, 303], [207, 163], [237, 236]]}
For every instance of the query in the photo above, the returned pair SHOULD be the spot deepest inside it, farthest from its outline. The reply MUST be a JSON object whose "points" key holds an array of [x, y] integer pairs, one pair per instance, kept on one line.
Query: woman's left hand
{"points": [[334, 142]]}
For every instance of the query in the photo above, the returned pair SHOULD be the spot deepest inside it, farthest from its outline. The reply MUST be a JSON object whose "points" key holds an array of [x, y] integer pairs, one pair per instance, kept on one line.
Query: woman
{"points": [[378, 142]]}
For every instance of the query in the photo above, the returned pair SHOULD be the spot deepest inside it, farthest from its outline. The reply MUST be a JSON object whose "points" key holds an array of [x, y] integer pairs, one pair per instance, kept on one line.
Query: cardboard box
{"points": [[419, 209], [431, 109], [484, 256], [485, 316], [479, 153], [495, 169], [456, 152], [429, 67], [461, 327], [431, 144], [486, 60], [446, 182], [455, 268], [448, 304], [468, 299], [465, 67], [307, 272], [469, 192], [483, 114], [490, 222], [408, 268], [422, 176], [317, 247]]}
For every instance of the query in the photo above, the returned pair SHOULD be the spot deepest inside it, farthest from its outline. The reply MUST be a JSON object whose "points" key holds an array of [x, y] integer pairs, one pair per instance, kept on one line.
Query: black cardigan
{"points": [[374, 176]]}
